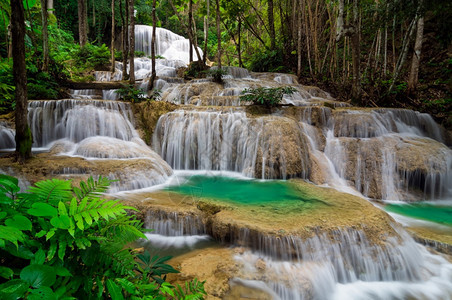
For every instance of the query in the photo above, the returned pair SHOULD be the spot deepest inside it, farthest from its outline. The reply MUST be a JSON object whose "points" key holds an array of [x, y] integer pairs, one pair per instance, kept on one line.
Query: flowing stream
{"points": [[386, 154]]}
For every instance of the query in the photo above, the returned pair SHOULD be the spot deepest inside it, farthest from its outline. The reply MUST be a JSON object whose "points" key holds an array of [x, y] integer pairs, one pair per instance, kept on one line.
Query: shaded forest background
{"points": [[358, 50]]}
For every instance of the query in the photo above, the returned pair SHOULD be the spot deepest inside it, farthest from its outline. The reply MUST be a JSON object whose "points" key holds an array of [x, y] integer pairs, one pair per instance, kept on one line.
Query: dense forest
{"points": [[393, 53]]}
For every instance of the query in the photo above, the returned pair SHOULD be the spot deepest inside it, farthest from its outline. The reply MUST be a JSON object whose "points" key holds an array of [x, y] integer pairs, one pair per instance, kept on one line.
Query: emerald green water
{"points": [[239, 191], [429, 212]]}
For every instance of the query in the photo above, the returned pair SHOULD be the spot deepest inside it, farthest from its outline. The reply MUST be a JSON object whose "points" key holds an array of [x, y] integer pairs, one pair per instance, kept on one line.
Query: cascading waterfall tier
{"points": [[393, 154], [96, 138], [168, 44], [76, 120], [265, 147], [342, 263], [7, 139]]}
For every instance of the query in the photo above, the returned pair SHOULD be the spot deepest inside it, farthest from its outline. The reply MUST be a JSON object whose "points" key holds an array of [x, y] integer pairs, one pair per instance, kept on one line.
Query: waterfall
{"points": [[7, 137], [168, 44], [77, 120], [391, 154], [344, 265], [229, 141]]}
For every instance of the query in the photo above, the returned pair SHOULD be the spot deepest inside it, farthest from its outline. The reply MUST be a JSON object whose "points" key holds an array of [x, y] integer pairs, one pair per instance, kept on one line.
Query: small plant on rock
{"points": [[131, 94], [217, 74], [268, 97]]}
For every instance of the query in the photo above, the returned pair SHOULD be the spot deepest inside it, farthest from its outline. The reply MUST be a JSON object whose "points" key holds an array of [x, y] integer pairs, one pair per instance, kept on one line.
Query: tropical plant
{"points": [[64, 242], [268, 97], [131, 94], [217, 74]]}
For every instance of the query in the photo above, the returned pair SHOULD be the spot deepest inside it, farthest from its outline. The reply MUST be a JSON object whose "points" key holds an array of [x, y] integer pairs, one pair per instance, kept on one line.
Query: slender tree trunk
{"points": [[94, 15], [113, 36], [218, 34], [154, 24], [45, 36], [125, 37], [189, 31], [132, 42], [82, 23], [299, 37], [354, 39], [190, 26], [403, 55], [239, 48], [23, 132], [414, 73], [271, 24], [50, 6], [206, 32], [10, 48]]}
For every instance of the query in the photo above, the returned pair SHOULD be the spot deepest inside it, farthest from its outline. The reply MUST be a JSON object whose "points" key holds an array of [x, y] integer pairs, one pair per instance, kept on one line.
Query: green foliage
{"points": [[217, 74], [195, 69], [93, 56], [140, 54], [267, 61], [63, 242], [7, 88], [131, 94], [268, 97], [156, 95]]}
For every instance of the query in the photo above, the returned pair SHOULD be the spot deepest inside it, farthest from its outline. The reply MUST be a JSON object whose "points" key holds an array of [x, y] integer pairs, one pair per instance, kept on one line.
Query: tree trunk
{"points": [[154, 24], [239, 48], [271, 24], [190, 26], [132, 42], [299, 37], [218, 33], [414, 73], [402, 57], [113, 36], [354, 39], [94, 15], [45, 36], [206, 32], [82, 23], [50, 6], [23, 133], [125, 37], [189, 31]]}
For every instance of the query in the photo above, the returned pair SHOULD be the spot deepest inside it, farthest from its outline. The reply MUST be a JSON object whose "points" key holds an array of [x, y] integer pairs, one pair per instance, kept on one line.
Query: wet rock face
{"points": [[262, 147], [132, 174], [381, 166]]}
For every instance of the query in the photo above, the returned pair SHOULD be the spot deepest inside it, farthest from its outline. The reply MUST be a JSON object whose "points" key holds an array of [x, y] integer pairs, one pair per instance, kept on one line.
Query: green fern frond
{"points": [[124, 228], [52, 191], [92, 188], [88, 213]]}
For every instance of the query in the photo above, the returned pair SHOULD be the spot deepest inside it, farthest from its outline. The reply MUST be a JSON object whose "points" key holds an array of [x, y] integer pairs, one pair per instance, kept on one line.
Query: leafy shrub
{"points": [[7, 88], [268, 97], [63, 242], [195, 69], [93, 56], [131, 94], [217, 74], [267, 61], [140, 54]]}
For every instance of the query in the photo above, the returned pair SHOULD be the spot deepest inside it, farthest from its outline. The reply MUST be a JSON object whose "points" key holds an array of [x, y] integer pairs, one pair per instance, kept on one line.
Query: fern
{"points": [[92, 188], [52, 191]]}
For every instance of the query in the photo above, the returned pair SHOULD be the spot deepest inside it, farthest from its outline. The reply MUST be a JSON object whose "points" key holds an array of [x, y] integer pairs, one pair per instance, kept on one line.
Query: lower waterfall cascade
{"points": [[395, 156]]}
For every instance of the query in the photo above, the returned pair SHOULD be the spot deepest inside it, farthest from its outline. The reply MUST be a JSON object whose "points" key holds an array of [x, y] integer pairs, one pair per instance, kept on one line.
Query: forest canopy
{"points": [[375, 53]]}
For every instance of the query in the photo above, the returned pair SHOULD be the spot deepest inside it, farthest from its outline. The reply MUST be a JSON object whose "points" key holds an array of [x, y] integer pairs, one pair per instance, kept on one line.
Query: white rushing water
{"points": [[229, 141], [343, 264]]}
